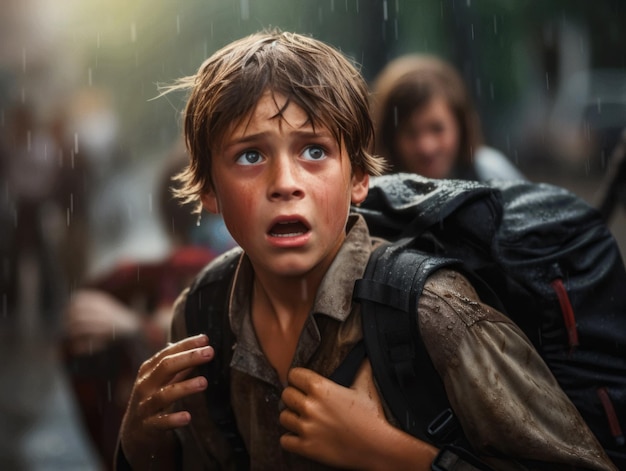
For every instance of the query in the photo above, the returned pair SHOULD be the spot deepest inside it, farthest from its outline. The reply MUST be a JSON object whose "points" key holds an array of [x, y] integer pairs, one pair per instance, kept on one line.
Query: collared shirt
{"points": [[500, 388]]}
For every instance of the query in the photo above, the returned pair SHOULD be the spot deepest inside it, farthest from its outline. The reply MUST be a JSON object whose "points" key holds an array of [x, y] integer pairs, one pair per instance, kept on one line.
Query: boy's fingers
{"points": [[168, 421], [171, 366], [166, 395], [304, 379], [290, 420], [197, 341], [293, 398], [290, 442]]}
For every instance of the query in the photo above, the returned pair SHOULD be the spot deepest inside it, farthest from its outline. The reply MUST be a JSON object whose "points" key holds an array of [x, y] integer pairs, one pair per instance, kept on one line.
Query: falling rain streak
{"points": [[245, 9], [176, 38]]}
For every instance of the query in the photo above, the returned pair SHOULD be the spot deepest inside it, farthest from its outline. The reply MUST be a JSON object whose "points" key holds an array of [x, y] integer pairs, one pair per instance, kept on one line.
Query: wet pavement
{"points": [[40, 429]]}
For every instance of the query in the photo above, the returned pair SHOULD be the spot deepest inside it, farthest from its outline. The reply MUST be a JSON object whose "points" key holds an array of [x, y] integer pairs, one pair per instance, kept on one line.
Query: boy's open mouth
{"points": [[288, 229]]}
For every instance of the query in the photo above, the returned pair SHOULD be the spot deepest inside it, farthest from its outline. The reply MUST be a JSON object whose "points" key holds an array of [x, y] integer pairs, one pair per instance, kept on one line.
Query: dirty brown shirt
{"points": [[503, 393]]}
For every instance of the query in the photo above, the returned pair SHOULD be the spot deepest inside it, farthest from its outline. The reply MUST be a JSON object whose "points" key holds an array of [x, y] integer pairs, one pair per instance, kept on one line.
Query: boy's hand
{"points": [[145, 433], [330, 423], [346, 427]]}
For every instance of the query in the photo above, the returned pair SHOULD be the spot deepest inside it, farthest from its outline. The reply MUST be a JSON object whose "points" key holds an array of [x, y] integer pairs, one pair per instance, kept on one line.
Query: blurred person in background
{"points": [[118, 319], [46, 192], [426, 123]]}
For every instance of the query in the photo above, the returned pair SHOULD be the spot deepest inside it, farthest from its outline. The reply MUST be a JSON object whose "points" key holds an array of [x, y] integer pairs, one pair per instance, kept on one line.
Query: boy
{"points": [[278, 130]]}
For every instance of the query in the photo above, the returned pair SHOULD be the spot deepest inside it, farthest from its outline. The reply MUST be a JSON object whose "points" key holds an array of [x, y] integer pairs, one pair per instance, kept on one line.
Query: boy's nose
{"points": [[286, 180]]}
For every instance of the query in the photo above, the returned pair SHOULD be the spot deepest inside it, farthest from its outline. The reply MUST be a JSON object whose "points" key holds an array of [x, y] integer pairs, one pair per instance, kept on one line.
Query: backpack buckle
{"points": [[444, 427]]}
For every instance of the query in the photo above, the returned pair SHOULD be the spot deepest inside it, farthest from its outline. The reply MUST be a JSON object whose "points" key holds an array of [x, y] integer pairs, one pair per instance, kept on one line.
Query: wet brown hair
{"points": [[311, 74], [409, 83]]}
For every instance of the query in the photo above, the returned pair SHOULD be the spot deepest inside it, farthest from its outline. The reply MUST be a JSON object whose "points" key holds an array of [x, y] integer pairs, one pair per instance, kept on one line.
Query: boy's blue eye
{"points": [[314, 153], [249, 157]]}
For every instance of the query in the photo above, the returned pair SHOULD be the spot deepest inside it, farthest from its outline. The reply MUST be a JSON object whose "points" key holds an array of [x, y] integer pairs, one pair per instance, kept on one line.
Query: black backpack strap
{"points": [[389, 292], [345, 373], [206, 311]]}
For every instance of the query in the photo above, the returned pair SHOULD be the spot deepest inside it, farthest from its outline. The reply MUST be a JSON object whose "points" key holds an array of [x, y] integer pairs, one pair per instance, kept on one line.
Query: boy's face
{"points": [[283, 189]]}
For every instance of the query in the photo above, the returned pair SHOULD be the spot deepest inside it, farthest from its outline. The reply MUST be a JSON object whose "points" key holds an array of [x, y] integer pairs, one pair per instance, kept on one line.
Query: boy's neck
{"points": [[286, 298], [279, 311]]}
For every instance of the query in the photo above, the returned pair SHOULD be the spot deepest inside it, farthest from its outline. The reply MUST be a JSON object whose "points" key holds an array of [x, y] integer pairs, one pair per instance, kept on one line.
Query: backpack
{"points": [[540, 248], [553, 263]]}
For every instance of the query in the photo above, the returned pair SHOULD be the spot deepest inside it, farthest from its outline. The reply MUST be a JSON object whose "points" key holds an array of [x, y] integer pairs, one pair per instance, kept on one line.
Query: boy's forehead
{"points": [[272, 109]]}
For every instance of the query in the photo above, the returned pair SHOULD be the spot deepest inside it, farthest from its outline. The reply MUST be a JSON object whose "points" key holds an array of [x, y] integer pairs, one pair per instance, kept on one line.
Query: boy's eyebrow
{"points": [[303, 134]]}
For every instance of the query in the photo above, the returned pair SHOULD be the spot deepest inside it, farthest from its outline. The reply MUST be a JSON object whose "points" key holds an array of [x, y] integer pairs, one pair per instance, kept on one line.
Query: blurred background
{"points": [[83, 139]]}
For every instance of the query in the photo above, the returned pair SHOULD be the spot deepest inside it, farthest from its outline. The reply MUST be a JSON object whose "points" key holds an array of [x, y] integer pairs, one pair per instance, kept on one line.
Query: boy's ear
{"points": [[210, 202], [360, 185]]}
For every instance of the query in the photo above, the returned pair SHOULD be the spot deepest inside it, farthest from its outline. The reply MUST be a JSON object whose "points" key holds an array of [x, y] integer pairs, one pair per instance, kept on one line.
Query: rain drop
{"points": [[245, 9], [89, 77], [150, 203], [385, 13], [177, 24], [133, 32], [75, 145]]}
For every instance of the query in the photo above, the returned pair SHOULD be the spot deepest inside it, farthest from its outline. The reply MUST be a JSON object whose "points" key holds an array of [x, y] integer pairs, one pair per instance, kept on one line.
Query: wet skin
{"points": [[284, 190]]}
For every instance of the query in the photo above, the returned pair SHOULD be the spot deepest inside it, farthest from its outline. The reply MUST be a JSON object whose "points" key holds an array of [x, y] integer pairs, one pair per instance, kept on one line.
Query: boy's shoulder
{"points": [[212, 281], [221, 266]]}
